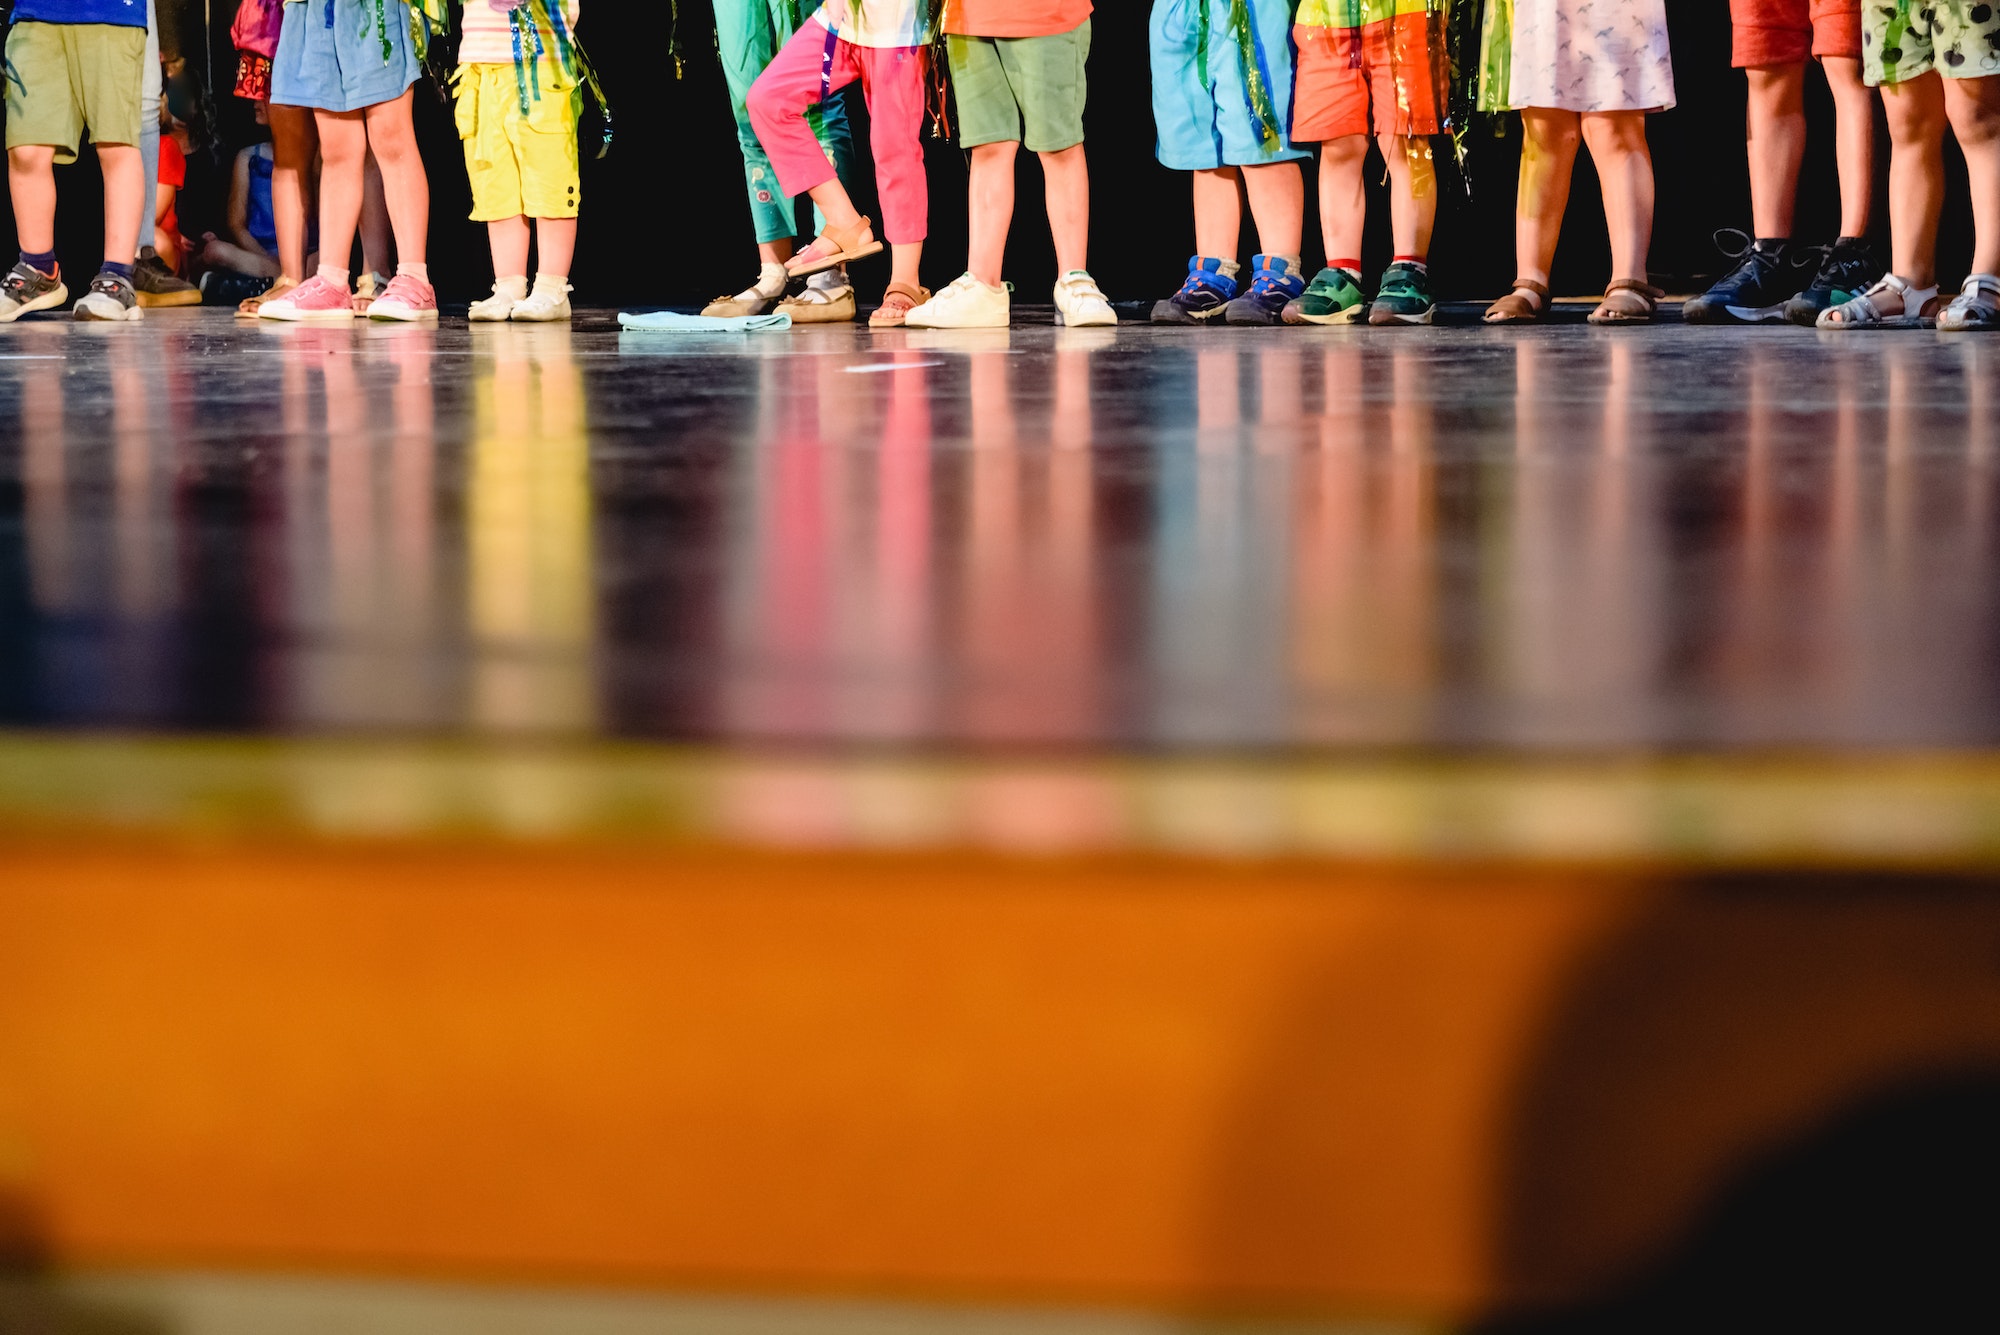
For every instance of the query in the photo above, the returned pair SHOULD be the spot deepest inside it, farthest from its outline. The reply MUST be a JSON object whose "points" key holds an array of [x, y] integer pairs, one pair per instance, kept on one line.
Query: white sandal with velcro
{"points": [[1863, 313], [1977, 305]]}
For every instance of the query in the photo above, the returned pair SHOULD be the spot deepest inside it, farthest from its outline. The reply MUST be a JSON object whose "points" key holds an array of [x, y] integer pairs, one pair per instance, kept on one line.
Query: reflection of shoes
{"points": [[1274, 286], [1088, 338], [966, 303], [896, 305], [1201, 298], [314, 301], [157, 285], [110, 298], [408, 299], [986, 339], [1404, 296], [507, 292], [821, 305], [1753, 292], [547, 304], [1847, 268], [1080, 303], [1333, 297], [371, 286], [26, 288]]}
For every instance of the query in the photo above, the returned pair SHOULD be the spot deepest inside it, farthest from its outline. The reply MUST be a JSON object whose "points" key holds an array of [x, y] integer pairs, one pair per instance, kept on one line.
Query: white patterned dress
{"points": [[1576, 55]]}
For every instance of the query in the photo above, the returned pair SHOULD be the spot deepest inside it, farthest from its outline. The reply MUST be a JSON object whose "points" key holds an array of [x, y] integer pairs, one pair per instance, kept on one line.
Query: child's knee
{"points": [[1551, 134]]}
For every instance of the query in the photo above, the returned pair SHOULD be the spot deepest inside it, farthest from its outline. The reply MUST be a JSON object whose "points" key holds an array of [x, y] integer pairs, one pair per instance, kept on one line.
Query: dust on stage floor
{"points": [[1560, 538]]}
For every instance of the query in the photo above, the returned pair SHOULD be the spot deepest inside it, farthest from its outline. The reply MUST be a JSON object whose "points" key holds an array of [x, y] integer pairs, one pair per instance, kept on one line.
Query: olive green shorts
{"points": [[64, 78], [1026, 90]]}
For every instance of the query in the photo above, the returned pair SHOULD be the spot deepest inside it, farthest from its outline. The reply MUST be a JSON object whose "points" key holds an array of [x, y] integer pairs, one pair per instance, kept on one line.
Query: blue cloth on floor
{"points": [[669, 323]]}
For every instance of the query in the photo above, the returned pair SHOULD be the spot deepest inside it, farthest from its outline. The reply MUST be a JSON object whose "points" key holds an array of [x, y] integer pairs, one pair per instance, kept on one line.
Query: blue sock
{"points": [[40, 261], [124, 271]]}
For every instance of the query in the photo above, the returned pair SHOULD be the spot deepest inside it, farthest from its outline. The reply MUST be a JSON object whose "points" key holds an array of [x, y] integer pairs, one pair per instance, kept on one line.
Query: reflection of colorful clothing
{"points": [[748, 34], [1786, 32], [1576, 55], [1222, 82], [1960, 39], [818, 61], [1352, 50]]}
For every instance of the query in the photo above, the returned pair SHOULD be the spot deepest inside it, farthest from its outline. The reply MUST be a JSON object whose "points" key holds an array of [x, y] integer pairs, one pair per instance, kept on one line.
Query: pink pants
{"points": [[892, 79]]}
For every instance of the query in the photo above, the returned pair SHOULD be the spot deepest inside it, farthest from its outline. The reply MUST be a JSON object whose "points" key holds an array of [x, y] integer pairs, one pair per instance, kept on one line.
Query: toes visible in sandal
{"points": [[1867, 310], [1528, 302], [1628, 301], [1977, 305], [836, 246], [897, 303]]}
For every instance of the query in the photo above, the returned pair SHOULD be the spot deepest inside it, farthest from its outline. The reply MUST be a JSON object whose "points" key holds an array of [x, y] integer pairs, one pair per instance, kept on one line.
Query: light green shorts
{"points": [[63, 78], [1026, 90], [1960, 39]]}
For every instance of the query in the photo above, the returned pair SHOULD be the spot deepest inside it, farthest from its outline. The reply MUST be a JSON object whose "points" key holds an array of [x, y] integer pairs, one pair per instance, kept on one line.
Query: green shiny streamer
{"points": [[1261, 106]]}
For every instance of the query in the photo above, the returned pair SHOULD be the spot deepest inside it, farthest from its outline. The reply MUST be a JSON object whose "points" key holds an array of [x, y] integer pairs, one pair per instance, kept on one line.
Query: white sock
{"points": [[338, 277], [420, 272], [515, 287], [552, 282], [770, 282], [829, 280], [1230, 268]]}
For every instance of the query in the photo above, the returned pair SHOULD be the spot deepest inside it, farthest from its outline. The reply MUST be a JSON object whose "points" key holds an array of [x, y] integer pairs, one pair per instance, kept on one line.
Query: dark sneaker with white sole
{"points": [[1201, 298], [110, 298], [26, 288], [1404, 296], [1847, 268], [1333, 297], [1755, 291], [1276, 285]]}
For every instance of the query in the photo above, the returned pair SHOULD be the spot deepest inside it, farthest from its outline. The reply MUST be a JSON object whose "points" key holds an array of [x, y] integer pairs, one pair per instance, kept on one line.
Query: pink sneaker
{"points": [[407, 298], [315, 301]]}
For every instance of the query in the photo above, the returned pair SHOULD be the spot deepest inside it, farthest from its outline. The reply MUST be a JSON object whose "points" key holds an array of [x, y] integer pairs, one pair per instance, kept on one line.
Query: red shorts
{"points": [[1339, 69], [1785, 32]]}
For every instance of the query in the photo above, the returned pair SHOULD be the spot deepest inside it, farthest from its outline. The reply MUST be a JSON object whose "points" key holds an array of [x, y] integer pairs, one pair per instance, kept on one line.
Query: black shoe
{"points": [[1201, 298], [1275, 286], [157, 285], [1754, 292], [1847, 268]]}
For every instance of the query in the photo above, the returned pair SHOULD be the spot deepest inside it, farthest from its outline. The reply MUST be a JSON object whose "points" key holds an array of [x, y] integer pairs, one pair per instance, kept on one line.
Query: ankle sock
{"points": [[552, 282], [420, 272], [514, 286], [770, 281], [1768, 243], [42, 262], [828, 280], [1351, 266], [338, 277], [1414, 261], [1229, 269], [117, 270], [1291, 262]]}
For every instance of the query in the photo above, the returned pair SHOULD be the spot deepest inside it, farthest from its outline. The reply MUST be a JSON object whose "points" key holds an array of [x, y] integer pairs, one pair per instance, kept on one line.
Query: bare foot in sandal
{"points": [[835, 246], [1628, 301], [1892, 298], [1528, 302]]}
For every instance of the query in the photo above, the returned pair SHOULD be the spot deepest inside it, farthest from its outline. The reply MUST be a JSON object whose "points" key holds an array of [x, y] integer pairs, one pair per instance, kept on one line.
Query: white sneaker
{"points": [[1079, 303], [966, 304], [548, 303], [499, 306]]}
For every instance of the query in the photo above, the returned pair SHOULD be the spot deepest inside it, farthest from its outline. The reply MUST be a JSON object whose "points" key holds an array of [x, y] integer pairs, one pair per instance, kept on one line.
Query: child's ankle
{"points": [[557, 283], [338, 277], [514, 285], [42, 262], [418, 271]]}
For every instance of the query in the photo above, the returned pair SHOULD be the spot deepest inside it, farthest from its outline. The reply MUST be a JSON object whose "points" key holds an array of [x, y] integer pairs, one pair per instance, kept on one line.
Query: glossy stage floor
{"points": [[1415, 826]]}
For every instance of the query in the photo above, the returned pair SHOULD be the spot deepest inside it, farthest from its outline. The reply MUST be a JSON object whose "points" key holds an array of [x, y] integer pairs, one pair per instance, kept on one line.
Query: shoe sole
{"points": [[55, 296], [1692, 314], [1397, 317], [414, 317], [1168, 313], [1061, 319], [91, 314], [153, 300], [306, 317], [1350, 315]]}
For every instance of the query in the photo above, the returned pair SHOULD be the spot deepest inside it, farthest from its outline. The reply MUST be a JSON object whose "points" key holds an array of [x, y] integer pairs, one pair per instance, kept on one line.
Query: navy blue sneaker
{"points": [[1847, 268], [1755, 291], [1201, 298], [1276, 284]]}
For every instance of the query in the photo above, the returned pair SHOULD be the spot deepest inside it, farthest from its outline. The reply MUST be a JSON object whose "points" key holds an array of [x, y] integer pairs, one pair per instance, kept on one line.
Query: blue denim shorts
{"points": [[330, 55], [1212, 121]]}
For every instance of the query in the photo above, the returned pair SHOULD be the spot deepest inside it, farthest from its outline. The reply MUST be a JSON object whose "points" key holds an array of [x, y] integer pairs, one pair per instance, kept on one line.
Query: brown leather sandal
{"points": [[897, 303], [247, 308], [1628, 301], [847, 242], [1527, 303]]}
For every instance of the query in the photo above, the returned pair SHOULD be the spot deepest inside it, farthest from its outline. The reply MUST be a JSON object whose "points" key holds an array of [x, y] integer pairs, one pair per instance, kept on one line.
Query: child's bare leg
{"points": [[1277, 192], [508, 238], [343, 143], [31, 183], [555, 245], [1854, 142], [1777, 133], [1973, 106], [1343, 197], [220, 254], [1916, 176], [294, 141], [903, 261], [774, 252], [990, 190], [1548, 154], [378, 249], [393, 140], [838, 209], [1412, 194], [124, 197], [1066, 183], [1617, 141], [1218, 213]]}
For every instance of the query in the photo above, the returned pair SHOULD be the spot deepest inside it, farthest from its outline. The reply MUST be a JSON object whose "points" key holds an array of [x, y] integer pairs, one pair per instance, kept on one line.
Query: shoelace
{"points": [[1745, 253]]}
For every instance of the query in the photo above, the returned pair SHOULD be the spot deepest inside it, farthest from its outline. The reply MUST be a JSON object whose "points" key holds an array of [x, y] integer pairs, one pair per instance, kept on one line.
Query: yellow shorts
{"points": [[519, 164]]}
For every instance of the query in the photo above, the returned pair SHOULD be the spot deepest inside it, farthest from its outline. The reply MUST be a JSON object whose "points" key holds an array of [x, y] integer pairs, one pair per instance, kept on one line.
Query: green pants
{"points": [[748, 33]]}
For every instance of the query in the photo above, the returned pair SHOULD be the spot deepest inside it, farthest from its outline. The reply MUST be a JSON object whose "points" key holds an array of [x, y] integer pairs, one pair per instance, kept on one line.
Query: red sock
{"points": [[1352, 266], [1410, 259]]}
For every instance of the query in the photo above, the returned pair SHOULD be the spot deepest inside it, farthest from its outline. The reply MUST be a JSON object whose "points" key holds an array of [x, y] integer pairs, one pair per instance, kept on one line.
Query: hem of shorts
{"points": [[343, 106], [1942, 71], [1590, 111], [1217, 164]]}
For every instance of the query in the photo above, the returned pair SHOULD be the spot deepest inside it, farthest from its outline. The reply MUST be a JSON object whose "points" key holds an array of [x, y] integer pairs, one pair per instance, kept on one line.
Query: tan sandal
{"points": [[247, 308], [1517, 307], [847, 243], [1628, 301], [897, 303]]}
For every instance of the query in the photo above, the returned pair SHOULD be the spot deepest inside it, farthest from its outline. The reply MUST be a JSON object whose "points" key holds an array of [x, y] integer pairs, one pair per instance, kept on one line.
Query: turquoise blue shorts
{"points": [[1213, 122], [330, 55]]}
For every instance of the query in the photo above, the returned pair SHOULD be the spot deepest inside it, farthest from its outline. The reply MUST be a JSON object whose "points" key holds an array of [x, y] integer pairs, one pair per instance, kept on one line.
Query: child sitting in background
{"points": [[252, 247], [519, 97], [886, 45]]}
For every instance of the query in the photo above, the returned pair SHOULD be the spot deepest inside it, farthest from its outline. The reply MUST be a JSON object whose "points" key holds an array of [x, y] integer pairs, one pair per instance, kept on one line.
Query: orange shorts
{"points": [[1331, 93], [1785, 32]]}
